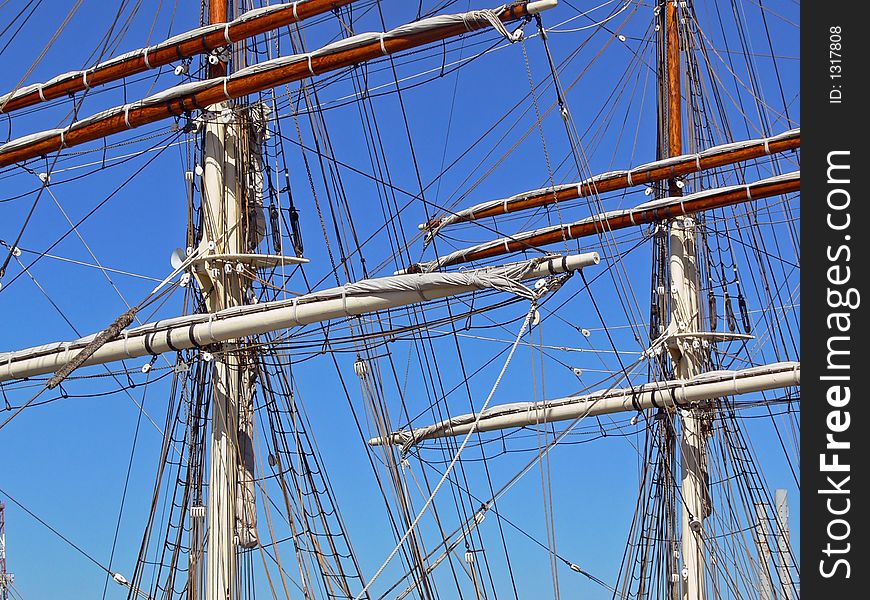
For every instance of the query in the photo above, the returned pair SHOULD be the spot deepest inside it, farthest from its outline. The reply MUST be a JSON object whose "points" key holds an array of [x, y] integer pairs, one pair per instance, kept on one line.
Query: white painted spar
{"points": [[666, 394], [366, 296]]}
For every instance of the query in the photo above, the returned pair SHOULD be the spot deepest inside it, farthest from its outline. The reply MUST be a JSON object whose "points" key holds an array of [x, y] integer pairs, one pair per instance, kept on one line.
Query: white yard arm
{"points": [[353, 299], [666, 394]]}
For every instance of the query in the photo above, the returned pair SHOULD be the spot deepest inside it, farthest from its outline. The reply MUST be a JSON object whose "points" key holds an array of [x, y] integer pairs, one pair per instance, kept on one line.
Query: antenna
{"points": [[177, 258], [6, 578]]}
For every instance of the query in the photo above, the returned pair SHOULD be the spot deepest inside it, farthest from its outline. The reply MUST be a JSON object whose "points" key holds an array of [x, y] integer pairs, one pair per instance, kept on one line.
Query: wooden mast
{"points": [[217, 13], [223, 232], [685, 319]]}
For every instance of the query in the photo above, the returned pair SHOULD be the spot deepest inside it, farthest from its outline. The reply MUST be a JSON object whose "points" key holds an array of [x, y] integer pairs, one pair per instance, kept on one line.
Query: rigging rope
{"points": [[526, 322]]}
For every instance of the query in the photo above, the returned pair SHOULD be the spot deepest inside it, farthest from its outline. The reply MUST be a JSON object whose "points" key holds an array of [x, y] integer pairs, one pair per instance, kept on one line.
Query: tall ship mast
{"points": [[377, 299]]}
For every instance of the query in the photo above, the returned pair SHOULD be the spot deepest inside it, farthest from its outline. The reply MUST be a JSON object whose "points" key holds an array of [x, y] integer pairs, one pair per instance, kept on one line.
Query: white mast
{"points": [[687, 364], [223, 232], [222, 225], [6, 578], [784, 543], [765, 585], [685, 319]]}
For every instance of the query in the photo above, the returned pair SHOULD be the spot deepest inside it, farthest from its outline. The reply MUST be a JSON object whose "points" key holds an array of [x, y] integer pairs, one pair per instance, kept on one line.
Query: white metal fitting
{"points": [[539, 6], [360, 368]]}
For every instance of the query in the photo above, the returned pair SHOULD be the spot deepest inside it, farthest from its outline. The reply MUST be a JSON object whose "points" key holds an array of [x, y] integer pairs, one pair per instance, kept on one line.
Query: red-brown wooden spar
{"points": [[188, 44], [217, 13], [654, 211], [201, 94], [660, 170]]}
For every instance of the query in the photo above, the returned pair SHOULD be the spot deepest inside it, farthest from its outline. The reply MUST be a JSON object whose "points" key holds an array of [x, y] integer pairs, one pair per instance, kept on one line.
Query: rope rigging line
{"points": [[449, 468], [68, 541], [74, 114], [421, 362], [84, 218]]}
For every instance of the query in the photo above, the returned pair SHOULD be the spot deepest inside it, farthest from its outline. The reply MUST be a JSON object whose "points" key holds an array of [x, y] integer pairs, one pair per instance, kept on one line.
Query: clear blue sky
{"points": [[67, 461]]}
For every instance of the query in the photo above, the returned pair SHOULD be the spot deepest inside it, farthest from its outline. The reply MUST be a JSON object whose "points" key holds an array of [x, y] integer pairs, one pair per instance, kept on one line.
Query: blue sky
{"points": [[67, 461]]}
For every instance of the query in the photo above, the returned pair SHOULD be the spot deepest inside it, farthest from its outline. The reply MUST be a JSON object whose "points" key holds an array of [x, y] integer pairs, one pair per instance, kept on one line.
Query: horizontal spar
{"points": [[366, 296], [654, 211], [659, 170], [179, 47], [663, 394], [183, 99]]}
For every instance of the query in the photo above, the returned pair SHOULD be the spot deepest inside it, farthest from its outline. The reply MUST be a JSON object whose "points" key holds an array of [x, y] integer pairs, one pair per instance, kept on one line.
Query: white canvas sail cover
{"points": [[368, 295], [662, 394]]}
